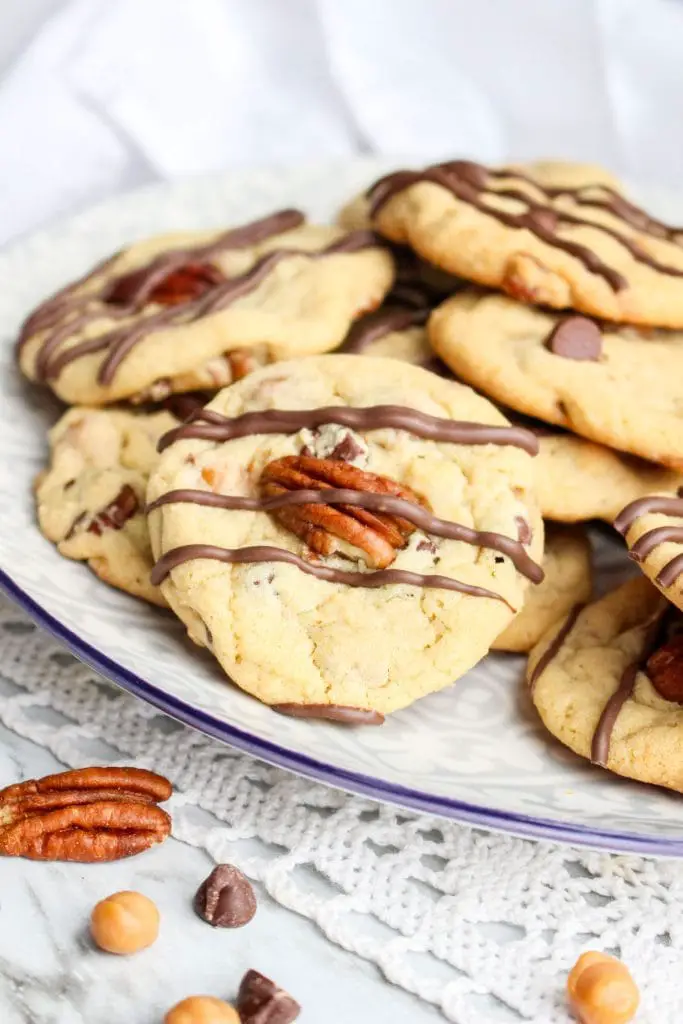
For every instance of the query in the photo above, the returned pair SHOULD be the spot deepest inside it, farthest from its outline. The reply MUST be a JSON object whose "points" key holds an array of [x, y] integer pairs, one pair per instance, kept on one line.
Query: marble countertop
{"points": [[50, 972]]}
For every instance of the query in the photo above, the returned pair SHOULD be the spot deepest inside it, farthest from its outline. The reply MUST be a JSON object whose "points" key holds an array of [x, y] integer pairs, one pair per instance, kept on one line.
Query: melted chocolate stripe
{"points": [[670, 572], [264, 553], [533, 219], [415, 514], [212, 426], [378, 325], [603, 733], [234, 238], [642, 506], [652, 539], [64, 302], [467, 181], [120, 341], [331, 712], [554, 646]]}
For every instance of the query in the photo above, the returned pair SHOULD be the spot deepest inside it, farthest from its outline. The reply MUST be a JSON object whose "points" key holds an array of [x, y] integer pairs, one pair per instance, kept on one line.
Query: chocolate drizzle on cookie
{"points": [[660, 535], [385, 503], [69, 311], [377, 325], [603, 733], [266, 553], [331, 712], [554, 646], [470, 183], [212, 426]]}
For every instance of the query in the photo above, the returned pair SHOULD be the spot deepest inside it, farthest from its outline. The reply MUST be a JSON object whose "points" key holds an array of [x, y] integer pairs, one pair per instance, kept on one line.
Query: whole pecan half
{"points": [[377, 534], [180, 284], [86, 815]]}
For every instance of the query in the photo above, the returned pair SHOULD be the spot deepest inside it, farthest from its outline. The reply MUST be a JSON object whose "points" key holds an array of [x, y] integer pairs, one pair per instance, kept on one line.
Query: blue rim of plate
{"points": [[523, 825]]}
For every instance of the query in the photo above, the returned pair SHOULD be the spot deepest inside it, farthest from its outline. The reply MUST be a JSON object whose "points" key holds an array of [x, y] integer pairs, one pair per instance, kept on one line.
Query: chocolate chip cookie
{"points": [[581, 246], [607, 682], [346, 534], [618, 386], [91, 499], [188, 311]]}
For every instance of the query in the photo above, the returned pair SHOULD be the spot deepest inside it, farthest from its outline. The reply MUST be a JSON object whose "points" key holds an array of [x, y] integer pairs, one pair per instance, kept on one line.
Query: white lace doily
{"points": [[454, 915]]}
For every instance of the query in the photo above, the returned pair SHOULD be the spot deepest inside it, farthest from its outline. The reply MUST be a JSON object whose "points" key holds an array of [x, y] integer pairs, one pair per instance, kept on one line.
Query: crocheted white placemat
{"points": [[452, 914]]}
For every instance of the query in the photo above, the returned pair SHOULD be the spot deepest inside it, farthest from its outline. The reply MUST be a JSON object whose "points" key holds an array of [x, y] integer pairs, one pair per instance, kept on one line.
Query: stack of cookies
{"points": [[331, 450]]}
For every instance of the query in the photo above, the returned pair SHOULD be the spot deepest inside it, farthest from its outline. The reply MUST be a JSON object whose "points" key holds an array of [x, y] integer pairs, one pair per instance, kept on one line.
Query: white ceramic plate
{"points": [[476, 752]]}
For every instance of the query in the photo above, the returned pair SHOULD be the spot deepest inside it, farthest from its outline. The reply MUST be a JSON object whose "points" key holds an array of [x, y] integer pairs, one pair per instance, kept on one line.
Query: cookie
{"points": [[357, 213], [653, 529], [578, 480], [188, 311], [615, 385], [91, 499], [397, 329], [357, 609], [582, 245], [607, 684], [568, 581]]}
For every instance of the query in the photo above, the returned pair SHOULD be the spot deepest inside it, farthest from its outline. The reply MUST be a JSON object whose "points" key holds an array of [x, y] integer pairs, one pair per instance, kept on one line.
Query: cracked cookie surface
{"points": [[288, 637]]}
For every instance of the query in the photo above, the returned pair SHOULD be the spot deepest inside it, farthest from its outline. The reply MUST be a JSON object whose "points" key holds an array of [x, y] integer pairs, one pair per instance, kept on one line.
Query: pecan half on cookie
{"points": [[87, 815], [339, 529]]}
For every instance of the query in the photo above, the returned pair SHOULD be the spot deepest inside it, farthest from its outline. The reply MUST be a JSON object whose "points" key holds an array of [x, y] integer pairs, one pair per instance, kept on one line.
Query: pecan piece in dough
{"points": [[87, 815], [116, 514], [376, 534]]}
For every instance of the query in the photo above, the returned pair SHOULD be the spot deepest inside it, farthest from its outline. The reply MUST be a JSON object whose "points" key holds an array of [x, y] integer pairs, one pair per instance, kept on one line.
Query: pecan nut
{"points": [[665, 669], [181, 284], [117, 513], [87, 815], [376, 534]]}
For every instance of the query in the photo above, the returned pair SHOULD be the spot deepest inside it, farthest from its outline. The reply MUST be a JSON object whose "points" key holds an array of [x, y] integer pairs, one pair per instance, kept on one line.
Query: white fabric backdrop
{"points": [[112, 93]]}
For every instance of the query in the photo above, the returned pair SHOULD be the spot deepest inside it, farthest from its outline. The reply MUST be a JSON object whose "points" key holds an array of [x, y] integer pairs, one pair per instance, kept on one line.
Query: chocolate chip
{"points": [[524, 532], [260, 1001], [427, 545], [226, 899], [347, 450], [575, 337], [308, 452]]}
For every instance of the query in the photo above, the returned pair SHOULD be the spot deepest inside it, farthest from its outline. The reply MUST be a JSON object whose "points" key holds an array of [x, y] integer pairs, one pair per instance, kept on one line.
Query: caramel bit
{"points": [[601, 990], [86, 815], [124, 923], [665, 669], [116, 514], [209, 476], [377, 534], [203, 1010]]}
